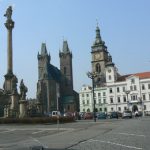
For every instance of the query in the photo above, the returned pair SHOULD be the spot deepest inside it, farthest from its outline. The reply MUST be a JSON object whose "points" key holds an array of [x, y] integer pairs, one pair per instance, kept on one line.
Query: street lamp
{"points": [[93, 75], [127, 92], [142, 105]]}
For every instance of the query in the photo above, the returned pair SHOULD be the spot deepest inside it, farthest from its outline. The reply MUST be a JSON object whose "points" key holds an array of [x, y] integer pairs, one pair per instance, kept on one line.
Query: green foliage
{"points": [[36, 120]]}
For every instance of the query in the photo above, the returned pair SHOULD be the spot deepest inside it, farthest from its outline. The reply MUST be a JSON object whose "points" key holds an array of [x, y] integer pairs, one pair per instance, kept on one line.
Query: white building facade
{"points": [[87, 102], [114, 92], [130, 92]]}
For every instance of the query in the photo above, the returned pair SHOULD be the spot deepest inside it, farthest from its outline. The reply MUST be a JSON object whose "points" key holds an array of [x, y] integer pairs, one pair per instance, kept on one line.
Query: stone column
{"points": [[9, 84], [22, 108], [9, 25]]}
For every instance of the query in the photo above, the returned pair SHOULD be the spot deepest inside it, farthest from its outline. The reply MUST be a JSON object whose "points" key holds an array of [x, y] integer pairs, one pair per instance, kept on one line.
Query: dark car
{"points": [[114, 115], [102, 115]]}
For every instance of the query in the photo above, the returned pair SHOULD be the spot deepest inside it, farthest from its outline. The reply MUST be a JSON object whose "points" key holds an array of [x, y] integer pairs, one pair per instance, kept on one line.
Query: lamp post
{"points": [[92, 75], [127, 92], [142, 105]]}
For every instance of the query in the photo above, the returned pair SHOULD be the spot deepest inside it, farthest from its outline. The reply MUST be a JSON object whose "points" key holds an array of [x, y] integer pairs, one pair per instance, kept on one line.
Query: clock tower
{"points": [[99, 59]]}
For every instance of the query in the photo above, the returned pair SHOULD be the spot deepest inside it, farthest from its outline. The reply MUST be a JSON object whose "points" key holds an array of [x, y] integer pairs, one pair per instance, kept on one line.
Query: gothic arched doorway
{"points": [[134, 108]]}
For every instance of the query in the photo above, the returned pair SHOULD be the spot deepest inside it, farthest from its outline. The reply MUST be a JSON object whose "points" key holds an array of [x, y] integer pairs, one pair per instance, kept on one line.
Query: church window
{"points": [[98, 68], [65, 70]]}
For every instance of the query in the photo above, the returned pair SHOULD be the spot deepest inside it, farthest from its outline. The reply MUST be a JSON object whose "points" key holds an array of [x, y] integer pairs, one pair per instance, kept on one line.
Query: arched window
{"points": [[88, 110], [98, 68]]}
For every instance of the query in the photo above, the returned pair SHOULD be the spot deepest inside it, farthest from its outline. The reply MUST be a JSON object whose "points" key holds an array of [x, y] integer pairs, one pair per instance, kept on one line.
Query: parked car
{"points": [[127, 114], [68, 114], [114, 115], [88, 115], [55, 113], [102, 115], [119, 114]]}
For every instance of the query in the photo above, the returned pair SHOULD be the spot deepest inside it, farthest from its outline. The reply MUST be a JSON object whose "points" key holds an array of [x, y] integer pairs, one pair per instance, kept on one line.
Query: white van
{"points": [[55, 113]]}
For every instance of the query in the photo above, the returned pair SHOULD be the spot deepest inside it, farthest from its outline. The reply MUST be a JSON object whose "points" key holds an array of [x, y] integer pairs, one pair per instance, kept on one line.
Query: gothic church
{"points": [[55, 86]]}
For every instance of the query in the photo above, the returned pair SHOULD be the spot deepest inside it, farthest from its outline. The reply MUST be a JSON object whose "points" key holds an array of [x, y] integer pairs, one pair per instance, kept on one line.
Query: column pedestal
{"points": [[22, 108]]}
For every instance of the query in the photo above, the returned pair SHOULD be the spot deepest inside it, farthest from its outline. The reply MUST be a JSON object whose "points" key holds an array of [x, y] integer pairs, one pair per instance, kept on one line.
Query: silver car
{"points": [[127, 114]]}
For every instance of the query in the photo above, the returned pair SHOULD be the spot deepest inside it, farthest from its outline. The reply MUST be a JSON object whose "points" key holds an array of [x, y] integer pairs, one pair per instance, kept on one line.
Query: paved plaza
{"points": [[121, 134]]}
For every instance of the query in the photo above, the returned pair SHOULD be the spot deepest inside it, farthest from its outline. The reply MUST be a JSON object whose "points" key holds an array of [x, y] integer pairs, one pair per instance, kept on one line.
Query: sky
{"points": [[124, 26]]}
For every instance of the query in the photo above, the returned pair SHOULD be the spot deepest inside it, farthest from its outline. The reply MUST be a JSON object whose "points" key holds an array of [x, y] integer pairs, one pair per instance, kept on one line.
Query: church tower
{"points": [[43, 62], [43, 82], [99, 59], [66, 68], [111, 71]]}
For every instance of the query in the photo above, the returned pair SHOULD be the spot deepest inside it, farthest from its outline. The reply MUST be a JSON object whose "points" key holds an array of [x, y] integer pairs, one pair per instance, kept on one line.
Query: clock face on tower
{"points": [[97, 56]]}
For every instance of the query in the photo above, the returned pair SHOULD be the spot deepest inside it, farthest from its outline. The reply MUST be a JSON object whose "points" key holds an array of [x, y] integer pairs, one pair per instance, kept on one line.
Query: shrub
{"points": [[36, 120]]}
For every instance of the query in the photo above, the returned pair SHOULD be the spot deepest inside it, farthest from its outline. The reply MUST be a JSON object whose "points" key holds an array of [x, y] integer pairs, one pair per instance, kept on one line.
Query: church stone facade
{"points": [[55, 86]]}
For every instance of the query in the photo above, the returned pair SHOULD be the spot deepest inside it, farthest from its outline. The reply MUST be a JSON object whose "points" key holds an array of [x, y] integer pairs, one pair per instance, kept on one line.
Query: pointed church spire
{"points": [[109, 61], [65, 47], [98, 39], [43, 49]]}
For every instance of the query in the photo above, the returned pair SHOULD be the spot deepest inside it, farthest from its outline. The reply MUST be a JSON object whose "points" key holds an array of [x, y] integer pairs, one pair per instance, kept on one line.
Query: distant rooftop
{"points": [[141, 75]]}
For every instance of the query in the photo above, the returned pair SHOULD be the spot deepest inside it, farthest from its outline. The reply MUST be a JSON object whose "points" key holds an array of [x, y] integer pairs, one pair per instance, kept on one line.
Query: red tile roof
{"points": [[141, 75]]}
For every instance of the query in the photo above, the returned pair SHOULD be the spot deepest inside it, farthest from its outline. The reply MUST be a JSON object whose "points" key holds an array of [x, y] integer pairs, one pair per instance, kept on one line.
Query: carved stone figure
{"points": [[23, 90], [8, 13]]}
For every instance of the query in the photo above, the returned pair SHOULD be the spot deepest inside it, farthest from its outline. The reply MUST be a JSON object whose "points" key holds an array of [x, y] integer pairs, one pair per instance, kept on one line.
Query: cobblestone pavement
{"points": [[128, 134]]}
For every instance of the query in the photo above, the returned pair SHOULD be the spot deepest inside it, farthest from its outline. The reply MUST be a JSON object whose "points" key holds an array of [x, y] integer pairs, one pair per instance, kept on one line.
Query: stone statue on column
{"points": [[23, 102], [8, 13], [23, 90]]}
